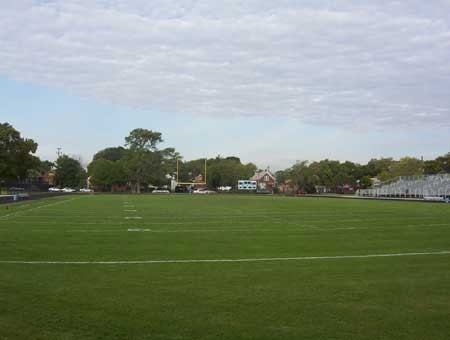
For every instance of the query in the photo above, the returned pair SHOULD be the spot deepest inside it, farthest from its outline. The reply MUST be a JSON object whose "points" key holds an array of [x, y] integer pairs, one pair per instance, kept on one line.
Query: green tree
{"points": [[190, 169], [16, 153], [99, 171], [144, 163], [323, 172], [220, 171], [376, 166], [407, 166], [365, 182], [432, 167], [69, 172], [169, 160], [42, 168], [105, 174], [283, 176], [111, 154], [227, 171], [143, 139], [303, 177], [439, 165], [46, 166]]}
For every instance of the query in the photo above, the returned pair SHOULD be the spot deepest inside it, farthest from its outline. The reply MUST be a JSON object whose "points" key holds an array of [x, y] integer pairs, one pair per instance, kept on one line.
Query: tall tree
{"points": [[105, 174], [365, 182], [143, 140], [407, 166], [46, 166], [111, 154], [69, 172], [303, 177], [445, 161], [227, 171], [376, 166], [169, 160], [16, 153], [143, 161]]}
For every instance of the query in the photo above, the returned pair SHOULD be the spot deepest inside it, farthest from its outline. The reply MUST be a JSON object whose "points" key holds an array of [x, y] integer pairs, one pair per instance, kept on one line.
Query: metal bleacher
{"points": [[415, 187]]}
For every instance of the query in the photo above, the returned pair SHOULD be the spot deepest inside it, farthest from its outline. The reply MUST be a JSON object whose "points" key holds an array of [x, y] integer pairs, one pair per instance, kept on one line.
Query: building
{"points": [[198, 182], [265, 180], [47, 177], [287, 187]]}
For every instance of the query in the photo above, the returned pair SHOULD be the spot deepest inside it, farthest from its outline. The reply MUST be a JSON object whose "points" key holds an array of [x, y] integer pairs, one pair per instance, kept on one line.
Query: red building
{"points": [[265, 180]]}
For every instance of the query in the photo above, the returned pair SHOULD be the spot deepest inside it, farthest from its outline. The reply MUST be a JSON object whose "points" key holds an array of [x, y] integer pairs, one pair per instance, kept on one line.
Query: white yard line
{"points": [[301, 228], [180, 230], [239, 230], [5, 217], [292, 216], [212, 230], [263, 259]]}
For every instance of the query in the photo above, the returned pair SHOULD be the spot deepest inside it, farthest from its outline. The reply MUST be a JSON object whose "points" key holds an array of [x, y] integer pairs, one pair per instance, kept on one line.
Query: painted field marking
{"points": [[242, 230], [133, 218], [130, 210], [263, 259], [5, 217], [302, 228], [172, 231], [43, 219]]}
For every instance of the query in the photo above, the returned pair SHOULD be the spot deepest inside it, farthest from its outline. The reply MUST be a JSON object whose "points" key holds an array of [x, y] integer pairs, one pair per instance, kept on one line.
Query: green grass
{"points": [[353, 298]]}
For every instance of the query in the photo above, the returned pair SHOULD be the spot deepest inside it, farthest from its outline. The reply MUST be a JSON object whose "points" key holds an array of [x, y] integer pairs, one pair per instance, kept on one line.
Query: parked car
{"points": [[203, 192], [54, 189], [86, 190], [68, 190], [16, 189], [181, 189], [160, 191]]}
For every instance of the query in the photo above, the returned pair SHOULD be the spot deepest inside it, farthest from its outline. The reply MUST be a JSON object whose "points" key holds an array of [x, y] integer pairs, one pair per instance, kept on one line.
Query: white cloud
{"points": [[356, 63]]}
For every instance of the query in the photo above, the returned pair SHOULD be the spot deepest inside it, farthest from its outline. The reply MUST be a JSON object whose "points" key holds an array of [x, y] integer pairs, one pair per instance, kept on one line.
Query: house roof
{"points": [[260, 174]]}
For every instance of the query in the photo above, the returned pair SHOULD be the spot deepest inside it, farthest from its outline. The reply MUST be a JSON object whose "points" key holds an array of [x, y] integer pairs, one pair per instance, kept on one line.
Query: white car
{"points": [[160, 191], [68, 190], [203, 192], [86, 190], [54, 189]]}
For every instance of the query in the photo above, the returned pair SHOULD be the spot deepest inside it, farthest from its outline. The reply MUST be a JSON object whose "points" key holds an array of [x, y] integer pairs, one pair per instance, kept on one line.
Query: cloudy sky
{"points": [[270, 81]]}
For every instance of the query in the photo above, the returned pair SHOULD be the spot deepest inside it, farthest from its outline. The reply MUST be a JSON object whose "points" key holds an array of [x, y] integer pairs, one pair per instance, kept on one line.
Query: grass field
{"points": [[102, 267]]}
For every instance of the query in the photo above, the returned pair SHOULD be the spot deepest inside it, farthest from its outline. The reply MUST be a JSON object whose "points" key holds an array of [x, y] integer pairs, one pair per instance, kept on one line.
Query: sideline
{"points": [[268, 259]]}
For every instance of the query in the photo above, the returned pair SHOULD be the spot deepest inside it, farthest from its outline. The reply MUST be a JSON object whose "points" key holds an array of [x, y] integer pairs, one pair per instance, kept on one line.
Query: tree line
{"points": [[140, 162], [306, 176], [18, 163]]}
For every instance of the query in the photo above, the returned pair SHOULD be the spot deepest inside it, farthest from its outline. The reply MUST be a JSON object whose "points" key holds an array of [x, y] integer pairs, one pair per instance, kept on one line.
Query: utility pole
{"points": [[58, 151], [206, 161]]}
